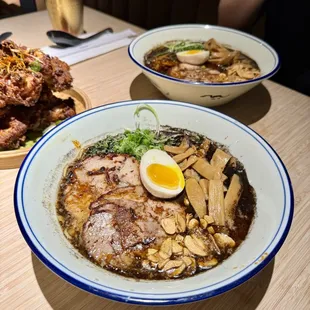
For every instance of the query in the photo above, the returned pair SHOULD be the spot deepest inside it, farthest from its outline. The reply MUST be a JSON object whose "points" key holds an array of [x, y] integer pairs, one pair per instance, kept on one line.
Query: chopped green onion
{"points": [[134, 143], [35, 66], [180, 46]]}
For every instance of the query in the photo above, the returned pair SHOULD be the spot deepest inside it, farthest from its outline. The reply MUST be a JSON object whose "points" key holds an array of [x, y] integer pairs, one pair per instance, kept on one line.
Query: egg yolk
{"points": [[191, 52], [163, 176]]}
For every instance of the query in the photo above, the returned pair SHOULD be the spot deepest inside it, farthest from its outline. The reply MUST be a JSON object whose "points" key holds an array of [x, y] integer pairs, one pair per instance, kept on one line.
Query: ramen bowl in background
{"points": [[205, 94]]}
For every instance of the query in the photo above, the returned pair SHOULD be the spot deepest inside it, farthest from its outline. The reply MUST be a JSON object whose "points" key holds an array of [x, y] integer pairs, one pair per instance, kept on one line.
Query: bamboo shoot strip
{"points": [[204, 184], [184, 143], [182, 164], [175, 149], [196, 197], [232, 198], [216, 202], [180, 157], [206, 170], [220, 159], [190, 161], [205, 145], [191, 173]]}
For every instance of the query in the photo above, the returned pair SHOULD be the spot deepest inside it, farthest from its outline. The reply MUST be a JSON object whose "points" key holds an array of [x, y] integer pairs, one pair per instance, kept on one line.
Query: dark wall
{"points": [[155, 13], [8, 10]]}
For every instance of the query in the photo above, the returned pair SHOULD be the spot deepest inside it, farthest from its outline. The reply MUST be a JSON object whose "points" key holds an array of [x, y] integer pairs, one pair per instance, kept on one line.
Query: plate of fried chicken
{"points": [[36, 93]]}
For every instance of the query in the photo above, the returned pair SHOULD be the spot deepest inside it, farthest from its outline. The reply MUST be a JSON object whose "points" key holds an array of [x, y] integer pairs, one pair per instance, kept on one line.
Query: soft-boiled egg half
{"points": [[161, 175], [193, 57]]}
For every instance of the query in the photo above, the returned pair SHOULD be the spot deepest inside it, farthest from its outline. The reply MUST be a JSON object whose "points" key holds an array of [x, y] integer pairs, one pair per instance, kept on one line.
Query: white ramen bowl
{"points": [[206, 94], [39, 176]]}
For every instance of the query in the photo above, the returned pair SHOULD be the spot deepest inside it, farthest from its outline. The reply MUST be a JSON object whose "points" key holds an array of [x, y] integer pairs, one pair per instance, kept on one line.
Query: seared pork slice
{"points": [[112, 238], [108, 172], [92, 177], [131, 194], [121, 225]]}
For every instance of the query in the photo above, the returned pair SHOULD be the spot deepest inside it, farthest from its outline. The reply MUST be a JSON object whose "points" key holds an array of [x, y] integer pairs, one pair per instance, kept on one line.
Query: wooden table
{"points": [[277, 113]]}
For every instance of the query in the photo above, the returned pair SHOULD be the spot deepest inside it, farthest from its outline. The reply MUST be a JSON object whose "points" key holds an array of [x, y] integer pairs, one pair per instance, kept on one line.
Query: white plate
{"points": [[37, 185]]}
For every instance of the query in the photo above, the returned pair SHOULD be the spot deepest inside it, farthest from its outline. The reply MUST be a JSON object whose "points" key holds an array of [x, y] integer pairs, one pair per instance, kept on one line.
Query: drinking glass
{"points": [[66, 15]]}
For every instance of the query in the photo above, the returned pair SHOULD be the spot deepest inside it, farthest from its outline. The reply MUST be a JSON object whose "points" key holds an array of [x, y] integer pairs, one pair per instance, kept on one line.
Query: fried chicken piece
{"points": [[17, 120], [27, 79], [20, 88], [50, 110], [61, 111], [7, 46], [4, 112], [55, 72], [12, 133], [25, 72]]}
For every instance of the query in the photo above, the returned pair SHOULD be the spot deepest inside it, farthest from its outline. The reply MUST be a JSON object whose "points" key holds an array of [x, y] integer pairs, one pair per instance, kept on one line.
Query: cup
{"points": [[66, 15]]}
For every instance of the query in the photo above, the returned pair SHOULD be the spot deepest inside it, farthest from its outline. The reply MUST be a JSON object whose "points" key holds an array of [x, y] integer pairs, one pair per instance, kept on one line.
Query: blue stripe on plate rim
{"points": [[128, 296], [261, 42]]}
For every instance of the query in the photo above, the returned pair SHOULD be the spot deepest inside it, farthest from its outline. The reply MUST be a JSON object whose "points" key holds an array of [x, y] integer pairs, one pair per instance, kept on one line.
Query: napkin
{"points": [[103, 44]]}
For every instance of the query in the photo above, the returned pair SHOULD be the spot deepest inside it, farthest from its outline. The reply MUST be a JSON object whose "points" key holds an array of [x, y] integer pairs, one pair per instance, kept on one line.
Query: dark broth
{"points": [[244, 212], [224, 64]]}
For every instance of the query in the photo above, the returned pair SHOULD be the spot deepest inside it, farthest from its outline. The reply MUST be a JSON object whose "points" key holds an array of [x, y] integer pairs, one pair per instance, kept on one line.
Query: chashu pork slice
{"points": [[92, 177], [122, 224]]}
